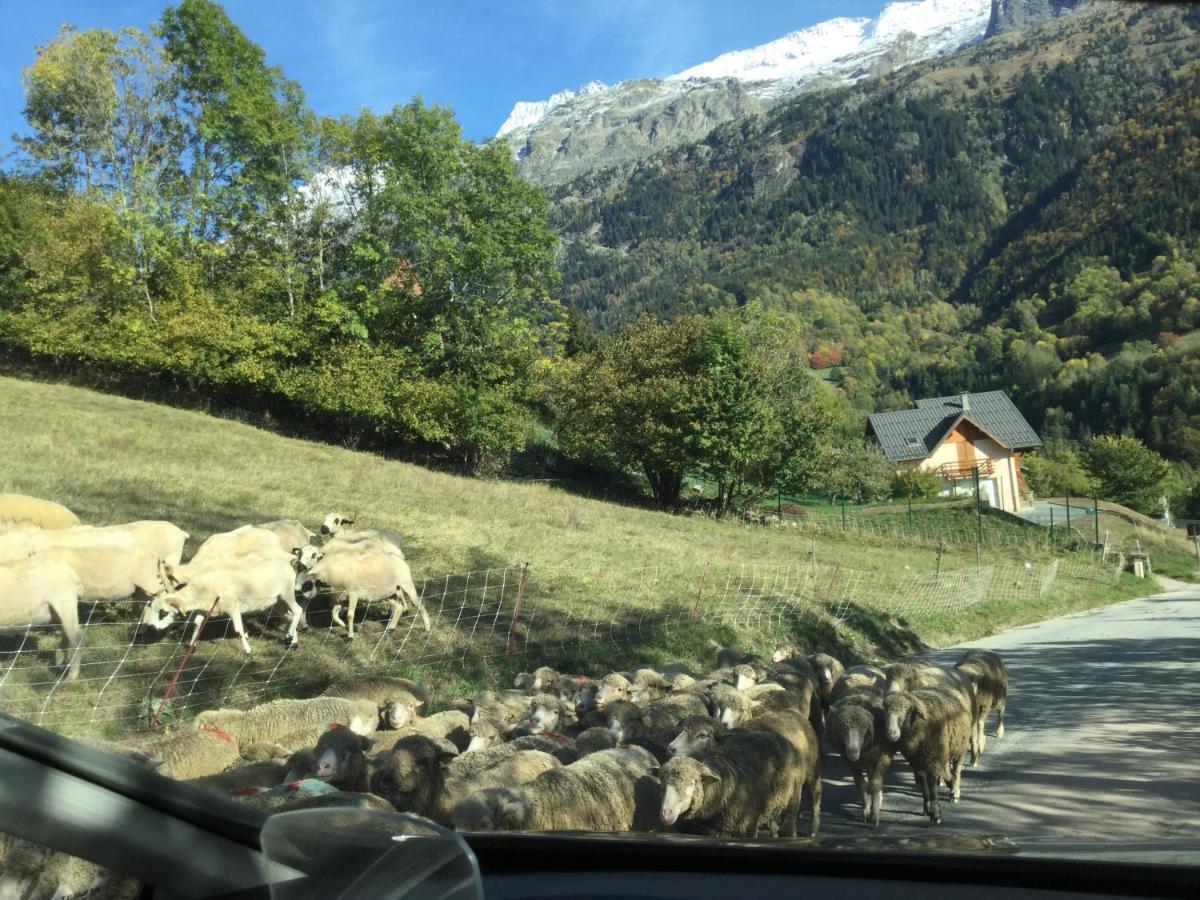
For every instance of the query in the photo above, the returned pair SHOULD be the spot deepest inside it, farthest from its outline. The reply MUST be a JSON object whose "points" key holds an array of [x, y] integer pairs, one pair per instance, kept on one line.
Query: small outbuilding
{"points": [[953, 436]]}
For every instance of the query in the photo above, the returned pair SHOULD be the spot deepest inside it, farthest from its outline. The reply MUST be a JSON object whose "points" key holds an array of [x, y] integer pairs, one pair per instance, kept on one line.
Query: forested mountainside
{"points": [[1024, 215]]}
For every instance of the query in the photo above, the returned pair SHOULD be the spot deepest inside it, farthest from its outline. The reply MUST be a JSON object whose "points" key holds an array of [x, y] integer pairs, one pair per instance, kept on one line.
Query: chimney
{"points": [[966, 401]]}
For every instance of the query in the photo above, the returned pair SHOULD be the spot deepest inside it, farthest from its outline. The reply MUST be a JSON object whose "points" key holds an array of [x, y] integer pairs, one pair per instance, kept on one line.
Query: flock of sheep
{"points": [[50, 563]]}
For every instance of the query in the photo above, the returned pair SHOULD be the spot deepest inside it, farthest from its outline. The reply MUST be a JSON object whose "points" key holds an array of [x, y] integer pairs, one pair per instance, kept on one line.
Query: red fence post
{"points": [[186, 656], [699, 592], [512, 629]]}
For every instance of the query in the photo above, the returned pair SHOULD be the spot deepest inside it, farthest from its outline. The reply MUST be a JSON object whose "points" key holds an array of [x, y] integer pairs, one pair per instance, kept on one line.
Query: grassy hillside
{"points": [[113, 459]]}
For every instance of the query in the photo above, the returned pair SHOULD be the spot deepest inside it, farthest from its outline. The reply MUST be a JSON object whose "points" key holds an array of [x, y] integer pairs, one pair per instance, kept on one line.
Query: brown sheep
{"points": [[857, 729], [932, 728], [989, 677], [857, 677], [400, 700], [746, 779]]}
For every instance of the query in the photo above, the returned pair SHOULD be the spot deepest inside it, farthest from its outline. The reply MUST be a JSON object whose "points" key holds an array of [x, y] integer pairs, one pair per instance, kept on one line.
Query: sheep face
{"points": [[855, 726], [484, 734], [693, 740], [334, 755], [585, 698], [544, 718], [782, 652], [335, 523], [308, 556], [395, 715], [300, 765], [545, 679], [306, 585], [746, 677], [902, 710], [684, 780], [525, 682], [824, 665], [613, 688], [160, 612]]}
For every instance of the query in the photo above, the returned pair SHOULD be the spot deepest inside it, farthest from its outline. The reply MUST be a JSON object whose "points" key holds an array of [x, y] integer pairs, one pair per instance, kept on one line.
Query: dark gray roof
{"points": [[915, 433]]}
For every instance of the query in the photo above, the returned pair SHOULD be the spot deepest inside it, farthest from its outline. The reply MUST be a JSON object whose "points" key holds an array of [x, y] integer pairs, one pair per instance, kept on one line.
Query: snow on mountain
{"points": [[840, 50], [528, 112]]}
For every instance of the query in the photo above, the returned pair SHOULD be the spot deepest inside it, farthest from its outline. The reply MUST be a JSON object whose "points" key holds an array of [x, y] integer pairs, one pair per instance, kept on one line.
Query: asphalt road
{"points": [[1101, 744]]}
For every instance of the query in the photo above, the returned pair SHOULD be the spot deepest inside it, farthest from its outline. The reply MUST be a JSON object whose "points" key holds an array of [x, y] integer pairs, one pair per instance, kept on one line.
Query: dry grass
{"points": [[112, 459]]}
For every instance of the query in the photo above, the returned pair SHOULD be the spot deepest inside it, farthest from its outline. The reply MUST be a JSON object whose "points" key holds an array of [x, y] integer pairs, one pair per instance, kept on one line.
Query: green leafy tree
{"points": [[856, 470], [915, 484], [1127, 471], [1058, 470]]}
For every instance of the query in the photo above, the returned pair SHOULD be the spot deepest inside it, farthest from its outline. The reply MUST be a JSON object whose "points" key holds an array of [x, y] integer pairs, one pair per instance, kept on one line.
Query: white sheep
{"points": [[41, 591], [292, 535], [368, 575], [245, 541], [110, 572], [252, 586], [337, 525], [21, 509], [269, 722], [161, 539]]}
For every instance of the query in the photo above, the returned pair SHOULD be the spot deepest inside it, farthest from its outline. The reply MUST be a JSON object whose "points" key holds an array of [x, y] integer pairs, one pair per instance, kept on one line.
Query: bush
{"points": [[1127, 471], [1056, 471], [916, 484]]}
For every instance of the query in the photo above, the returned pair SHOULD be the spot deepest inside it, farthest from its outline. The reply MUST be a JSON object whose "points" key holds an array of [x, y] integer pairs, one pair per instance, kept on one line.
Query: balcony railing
{"points": [[954, 471]]}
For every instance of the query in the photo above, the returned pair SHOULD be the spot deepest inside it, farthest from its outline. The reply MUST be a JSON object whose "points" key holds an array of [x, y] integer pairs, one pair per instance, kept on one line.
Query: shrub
{"points": [[916, 484]]}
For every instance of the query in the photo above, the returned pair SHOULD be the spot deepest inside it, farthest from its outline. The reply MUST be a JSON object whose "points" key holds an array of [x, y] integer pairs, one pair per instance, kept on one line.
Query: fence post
{"points": [[187, 654], [779, 503], [1068, 515], [1096, 517], [938, 571], [512, 629], [843, 513], [910, 510], [699, 592], [813, 556], [1051, 529]]}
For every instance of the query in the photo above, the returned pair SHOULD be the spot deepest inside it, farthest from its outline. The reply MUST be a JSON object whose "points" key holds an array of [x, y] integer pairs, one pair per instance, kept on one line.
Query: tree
{"points": [[1126, 471], [856, 470], [1057, 471]]}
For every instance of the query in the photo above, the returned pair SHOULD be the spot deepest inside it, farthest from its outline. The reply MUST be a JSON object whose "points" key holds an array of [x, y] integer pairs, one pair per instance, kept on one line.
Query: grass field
{"points": [[112, 459]]}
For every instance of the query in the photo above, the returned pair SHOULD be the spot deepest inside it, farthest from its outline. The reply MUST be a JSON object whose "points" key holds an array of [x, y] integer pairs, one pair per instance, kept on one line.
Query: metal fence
{"points": [[516, 613]]}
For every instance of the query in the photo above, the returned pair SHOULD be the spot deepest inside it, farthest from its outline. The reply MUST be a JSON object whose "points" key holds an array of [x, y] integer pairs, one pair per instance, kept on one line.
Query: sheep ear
{"points": [[446, 751], [708, 775]]}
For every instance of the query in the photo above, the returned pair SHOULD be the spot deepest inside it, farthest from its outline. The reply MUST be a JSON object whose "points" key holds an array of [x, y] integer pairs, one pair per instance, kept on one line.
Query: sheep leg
{"points": [[876, 797], [397, 604], [1000, 713], [861, 784], [295, 614], [424, 615], [814, 794], [336, 613], [791, 814], [351, 606], [956, 767], [72, 639], [235, 616], [200, 619]]}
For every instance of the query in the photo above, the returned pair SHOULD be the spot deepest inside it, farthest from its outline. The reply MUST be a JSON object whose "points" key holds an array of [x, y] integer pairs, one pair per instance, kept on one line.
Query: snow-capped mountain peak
{"points": [[527, 112]]}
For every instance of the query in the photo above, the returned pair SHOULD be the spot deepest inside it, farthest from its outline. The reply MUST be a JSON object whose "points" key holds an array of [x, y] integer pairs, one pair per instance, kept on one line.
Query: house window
{"points": [[914, 444]]}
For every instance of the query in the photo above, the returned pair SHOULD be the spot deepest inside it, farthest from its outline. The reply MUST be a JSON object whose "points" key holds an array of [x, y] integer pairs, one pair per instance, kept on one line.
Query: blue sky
{"points": [[476, 56]]}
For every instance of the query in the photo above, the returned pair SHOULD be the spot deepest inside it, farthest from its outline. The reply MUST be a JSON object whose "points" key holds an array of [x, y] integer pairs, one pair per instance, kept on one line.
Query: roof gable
{"points": [[908, 434]]}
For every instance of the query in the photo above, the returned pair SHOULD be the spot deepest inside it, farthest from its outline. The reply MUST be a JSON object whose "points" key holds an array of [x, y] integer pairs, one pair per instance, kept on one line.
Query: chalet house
{"points": [[951, 436]]}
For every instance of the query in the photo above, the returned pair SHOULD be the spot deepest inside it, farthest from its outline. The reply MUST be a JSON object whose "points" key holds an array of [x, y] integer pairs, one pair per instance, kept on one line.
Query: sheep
{"points": [[659, 719], [696, 734], [191, 753], [337, 525], [746, 779], [41, 591], [271, 721], [989, 678], [248, 540], [613, 686], [161, 539], [932, 728], [611, 790], [728, 657], [451, 725], [262, 774], [829, 671], [857, 729], [109, 571], [857, 677], [254, 586], [428, 778], [309, 793], [504, 707], [22, 509], [593, 740], [33, 871], [907, 676], [292, 535], [400, 700], [548, 713], [339, 759], [368, 575]]}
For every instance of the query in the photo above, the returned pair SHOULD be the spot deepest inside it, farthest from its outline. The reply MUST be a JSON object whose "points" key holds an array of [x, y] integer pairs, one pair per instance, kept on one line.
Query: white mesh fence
{"points": [[127, 675]]}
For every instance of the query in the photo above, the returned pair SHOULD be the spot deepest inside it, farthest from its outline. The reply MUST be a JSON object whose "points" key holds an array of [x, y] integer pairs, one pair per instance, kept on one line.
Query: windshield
{"points": [[759, 424]]}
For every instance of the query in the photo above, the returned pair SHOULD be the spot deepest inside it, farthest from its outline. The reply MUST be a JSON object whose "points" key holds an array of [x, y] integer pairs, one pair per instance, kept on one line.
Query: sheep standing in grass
{"points": [[338, 525], [612, 790], [989, 678], [255, 585], [248, 540], [21, 509], [369, 575], [932, 728], [746, 779], [39, 592], [856, 727], [111, 571]]}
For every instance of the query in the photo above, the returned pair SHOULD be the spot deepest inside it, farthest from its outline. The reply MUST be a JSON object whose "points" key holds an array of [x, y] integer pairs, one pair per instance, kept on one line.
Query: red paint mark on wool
{"points": [[217, 733]]}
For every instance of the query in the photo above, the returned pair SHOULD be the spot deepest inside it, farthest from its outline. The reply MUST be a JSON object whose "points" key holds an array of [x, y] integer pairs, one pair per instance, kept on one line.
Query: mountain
{"points": [[575, 131], [1012, 216], [1016, 15]]}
